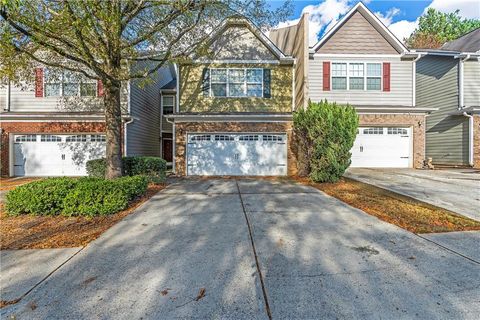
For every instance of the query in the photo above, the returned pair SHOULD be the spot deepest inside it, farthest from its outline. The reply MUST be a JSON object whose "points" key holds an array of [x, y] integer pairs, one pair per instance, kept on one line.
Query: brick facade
{"points": [[10, 128], [182, 128], [416, 122], [476, 141]]}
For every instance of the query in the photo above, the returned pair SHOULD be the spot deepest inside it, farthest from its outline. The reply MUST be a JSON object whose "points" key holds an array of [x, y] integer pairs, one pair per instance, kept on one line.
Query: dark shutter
{"points": [[39, 82], [100, 88], [266, 83], [206, 82], [326, 76], [386, 76]]}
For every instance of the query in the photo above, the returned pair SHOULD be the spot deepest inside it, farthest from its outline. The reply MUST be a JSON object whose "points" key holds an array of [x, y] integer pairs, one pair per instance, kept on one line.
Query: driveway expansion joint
{"points": [[448, 249]]}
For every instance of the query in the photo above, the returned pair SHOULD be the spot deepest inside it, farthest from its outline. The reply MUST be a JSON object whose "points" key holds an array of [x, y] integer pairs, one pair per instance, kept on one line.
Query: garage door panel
{"points": [[56, 155], [382, 147], [235, 154]]}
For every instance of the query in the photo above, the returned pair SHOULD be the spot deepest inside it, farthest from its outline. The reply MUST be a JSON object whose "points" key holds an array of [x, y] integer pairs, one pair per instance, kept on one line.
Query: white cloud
{"points": [[403, 29], [388, 16], [468, 8]]}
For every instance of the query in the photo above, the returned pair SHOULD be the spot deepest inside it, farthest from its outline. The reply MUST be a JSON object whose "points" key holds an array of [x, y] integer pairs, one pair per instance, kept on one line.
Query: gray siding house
{"points": [[449, 79]]}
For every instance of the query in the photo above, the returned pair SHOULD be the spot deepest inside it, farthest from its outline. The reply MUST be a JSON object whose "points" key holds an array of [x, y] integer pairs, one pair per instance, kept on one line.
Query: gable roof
{"points": [[373, 19], [469, 42], [242, 21]]}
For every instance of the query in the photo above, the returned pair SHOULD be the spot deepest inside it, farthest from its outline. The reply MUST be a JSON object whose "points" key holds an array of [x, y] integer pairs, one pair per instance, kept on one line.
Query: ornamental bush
{"points": [[75, 196], [324, 135], [152, 167]]}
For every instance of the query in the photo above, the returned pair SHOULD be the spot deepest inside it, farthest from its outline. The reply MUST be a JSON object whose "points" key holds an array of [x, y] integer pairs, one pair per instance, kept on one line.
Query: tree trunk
{"points": [[113, 122]]}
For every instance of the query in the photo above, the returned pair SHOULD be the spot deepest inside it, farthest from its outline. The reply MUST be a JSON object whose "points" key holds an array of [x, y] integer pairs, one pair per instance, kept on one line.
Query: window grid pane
{"points": [[218, 75], [373, 130], [373, 83], [339, 83], [339, 69], [356, 70], [374, 70], [356, 83]]}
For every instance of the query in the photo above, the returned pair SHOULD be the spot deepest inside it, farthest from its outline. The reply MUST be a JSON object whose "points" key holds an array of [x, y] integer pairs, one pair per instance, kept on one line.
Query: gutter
{"points": [[470, 137], [173, 143], [125, 153], [8, 95]]}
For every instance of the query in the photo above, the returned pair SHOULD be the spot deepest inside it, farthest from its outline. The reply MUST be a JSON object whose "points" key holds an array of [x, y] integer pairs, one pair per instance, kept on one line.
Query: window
{"points": [[68, 84], [200, 138], [356, 76], [219, 137], [374, 76], [339, 76], [50, 138], [78, 138], [373, 131], [401, 131], [360, 76], [26, 138], [236, 82], [272, 138], [248, 138], [168, 103], [98, 138]]}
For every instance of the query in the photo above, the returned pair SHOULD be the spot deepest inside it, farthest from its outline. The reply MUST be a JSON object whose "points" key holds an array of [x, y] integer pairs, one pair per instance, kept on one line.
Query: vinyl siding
{"points": [[357, 35], [143, 134], [237, 42], [401, 86], [193, 100], [471, 83], [437, 87]]}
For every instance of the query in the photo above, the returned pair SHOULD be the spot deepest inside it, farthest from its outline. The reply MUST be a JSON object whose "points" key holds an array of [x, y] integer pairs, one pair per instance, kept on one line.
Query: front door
{"points": [[167, 150]]}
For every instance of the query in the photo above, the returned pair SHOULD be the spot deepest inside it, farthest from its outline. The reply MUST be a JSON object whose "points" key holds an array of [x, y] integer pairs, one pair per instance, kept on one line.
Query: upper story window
{"points": [[238, 82], [168, 103], [356, 76], [68, 84]]}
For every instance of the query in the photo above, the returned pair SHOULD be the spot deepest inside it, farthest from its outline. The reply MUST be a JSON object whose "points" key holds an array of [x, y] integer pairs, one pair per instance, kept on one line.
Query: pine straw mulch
{"points": [[42, 232], [407, 213], [10, 183]]}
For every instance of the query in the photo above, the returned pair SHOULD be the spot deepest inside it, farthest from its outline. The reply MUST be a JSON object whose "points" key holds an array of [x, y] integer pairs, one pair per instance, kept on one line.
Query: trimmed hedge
{"points": [[75, 196], [324, 135], [152, 167]]}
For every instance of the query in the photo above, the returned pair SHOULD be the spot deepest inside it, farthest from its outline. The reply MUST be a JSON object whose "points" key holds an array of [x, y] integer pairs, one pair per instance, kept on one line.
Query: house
{"points": [[234, 106], [52, 125], [449, 79], [360, 62]]}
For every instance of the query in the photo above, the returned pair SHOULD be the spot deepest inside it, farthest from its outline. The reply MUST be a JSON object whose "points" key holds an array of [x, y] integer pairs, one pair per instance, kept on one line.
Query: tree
{"points": [[435, 28], [101, 40], [324, 134]]}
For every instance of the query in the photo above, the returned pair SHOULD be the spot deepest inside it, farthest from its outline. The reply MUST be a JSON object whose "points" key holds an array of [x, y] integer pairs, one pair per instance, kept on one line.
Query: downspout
{"points": [[7, 104], [125, 136], [470, 137], [414, 79]]}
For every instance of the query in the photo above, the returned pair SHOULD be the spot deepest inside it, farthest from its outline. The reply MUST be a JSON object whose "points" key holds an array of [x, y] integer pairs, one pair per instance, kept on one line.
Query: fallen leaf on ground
{"points": [[201, 294]]}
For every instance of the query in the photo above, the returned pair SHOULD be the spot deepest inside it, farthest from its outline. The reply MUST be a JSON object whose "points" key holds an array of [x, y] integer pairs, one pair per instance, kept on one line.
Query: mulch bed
{"points": [[408, 213], [42, 232], [11, 183]]}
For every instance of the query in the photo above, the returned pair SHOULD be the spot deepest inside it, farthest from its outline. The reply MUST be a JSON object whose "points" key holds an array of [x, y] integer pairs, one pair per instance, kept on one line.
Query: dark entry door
{"points": [[167, 150]]}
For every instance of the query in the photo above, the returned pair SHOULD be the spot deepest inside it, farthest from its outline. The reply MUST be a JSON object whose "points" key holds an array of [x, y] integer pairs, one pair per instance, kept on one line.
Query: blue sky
{"points": [[400, 16]]}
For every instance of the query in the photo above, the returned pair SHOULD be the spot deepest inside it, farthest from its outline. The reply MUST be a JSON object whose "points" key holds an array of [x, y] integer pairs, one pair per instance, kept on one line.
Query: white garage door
{"points": [[387, 147], [245, 154], [55, 155]]}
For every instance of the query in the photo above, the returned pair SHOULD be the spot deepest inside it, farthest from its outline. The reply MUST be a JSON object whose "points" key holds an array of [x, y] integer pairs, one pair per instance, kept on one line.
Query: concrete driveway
{"points": [[457, 190], [302, 253]]}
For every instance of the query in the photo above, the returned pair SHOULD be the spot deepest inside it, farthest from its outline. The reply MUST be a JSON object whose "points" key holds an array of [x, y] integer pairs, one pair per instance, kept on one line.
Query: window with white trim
{"points": [[203, 137], [77, 138], [272, 138], [50, 138], [236, 82], [221, 137], [374, 130], [168, 103], [248, 138], [98, 138], [401, 131], [68, 84], [26, 138], [356, 76]]}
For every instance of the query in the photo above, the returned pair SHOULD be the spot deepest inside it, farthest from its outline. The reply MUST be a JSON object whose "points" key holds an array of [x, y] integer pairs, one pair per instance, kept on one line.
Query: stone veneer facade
{"points": [[182, 128], [10, 128], [416, 122]]}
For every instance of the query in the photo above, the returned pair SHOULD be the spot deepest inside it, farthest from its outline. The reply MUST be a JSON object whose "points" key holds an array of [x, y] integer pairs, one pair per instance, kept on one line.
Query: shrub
{"points": [[75, 196], [152, 167], [43, 197], [324, 135]]}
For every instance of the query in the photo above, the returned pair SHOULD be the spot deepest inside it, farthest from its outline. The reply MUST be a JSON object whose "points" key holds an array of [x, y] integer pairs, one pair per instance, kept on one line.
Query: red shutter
{"points": [[39, 82], [326, 76], [99, 88], [386, 76]]}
